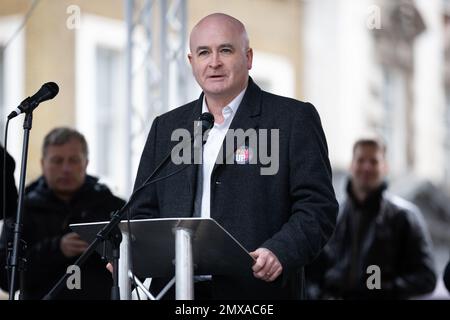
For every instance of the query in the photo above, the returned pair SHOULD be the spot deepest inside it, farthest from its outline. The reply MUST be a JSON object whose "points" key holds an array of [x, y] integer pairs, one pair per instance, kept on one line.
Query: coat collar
{"points": [[245, 118]]}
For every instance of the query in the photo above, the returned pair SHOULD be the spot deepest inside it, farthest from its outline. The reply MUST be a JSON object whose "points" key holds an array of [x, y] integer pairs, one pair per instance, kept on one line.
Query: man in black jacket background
{"points": [[381, 247], [65, 194]]}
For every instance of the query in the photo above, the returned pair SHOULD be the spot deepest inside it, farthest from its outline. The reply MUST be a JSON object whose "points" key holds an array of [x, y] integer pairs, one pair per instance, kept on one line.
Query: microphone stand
{"points": [[111, 230], [17, 262]]}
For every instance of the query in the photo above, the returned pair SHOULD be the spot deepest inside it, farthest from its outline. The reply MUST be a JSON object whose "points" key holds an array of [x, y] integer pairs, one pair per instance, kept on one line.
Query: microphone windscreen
{"points": [[207, 120]]}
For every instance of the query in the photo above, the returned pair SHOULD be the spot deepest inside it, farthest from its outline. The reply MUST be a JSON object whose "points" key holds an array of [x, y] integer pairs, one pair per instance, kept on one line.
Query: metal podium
{"points": [[183, 247]]}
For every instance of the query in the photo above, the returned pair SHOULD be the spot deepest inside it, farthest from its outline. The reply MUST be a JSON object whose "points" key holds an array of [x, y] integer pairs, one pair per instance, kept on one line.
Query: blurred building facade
{"points": [[370, 67], [381, 68], [81, 45], [44, 49], [377, 67]]}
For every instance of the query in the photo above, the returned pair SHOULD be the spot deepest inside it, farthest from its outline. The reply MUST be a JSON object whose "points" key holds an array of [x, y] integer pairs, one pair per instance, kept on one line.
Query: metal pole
{"points": [[184, 266], [129, 5], [182, 73], [164, 51], [124, 267]]}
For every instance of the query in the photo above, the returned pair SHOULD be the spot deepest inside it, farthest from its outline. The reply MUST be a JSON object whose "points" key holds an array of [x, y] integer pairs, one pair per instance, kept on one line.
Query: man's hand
{"points": [[71, 245], [267, 266]]}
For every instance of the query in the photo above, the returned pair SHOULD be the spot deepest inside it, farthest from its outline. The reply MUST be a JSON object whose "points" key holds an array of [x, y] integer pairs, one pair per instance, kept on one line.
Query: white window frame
{"points": [[94, 32], [14, 83]]}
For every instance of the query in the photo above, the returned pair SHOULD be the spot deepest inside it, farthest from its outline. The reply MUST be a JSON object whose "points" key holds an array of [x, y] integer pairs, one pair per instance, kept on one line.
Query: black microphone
{"points": [[48, 91], [206, 120]]}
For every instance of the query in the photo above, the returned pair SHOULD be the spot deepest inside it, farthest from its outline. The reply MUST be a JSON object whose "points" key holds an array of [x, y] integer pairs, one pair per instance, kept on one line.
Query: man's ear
{"points": [[190, 57], [249, 55]]}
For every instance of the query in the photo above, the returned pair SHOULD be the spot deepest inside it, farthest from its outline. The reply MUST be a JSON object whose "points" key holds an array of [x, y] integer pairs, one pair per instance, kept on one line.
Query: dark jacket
{"points": [[10, 184], [385, 231], [292, 212], [446, 276], [46, 219]]}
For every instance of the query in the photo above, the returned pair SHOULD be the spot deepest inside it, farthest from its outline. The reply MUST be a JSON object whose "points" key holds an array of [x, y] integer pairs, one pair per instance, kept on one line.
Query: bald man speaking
{"points": [[269, 185]]}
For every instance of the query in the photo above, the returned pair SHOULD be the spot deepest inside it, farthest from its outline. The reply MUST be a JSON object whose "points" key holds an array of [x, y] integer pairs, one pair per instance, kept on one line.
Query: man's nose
{"points": [[215, 61], [367, 166], [67, 166]]}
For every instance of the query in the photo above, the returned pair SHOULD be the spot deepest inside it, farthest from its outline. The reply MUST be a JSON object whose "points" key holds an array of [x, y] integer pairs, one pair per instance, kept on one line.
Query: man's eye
{"points": [[75, 160], [56, 161], [202, 53], [226, 50]]}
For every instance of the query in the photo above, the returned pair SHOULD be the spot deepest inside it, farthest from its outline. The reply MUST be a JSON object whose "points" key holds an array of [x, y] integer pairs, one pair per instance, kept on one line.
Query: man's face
{"points": [[368, 168], [219, 58], [64, 167]]}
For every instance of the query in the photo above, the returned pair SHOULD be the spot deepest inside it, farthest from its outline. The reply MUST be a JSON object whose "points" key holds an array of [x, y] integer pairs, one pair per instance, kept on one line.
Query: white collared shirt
{"points": [[212, 147]]}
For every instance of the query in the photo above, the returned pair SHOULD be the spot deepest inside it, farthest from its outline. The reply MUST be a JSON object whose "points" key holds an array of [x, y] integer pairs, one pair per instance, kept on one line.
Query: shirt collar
{"points": [[233, 105]]}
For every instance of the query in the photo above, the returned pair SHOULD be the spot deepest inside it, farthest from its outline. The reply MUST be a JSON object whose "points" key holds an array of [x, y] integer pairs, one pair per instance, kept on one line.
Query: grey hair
{"points": [[63, 135]]}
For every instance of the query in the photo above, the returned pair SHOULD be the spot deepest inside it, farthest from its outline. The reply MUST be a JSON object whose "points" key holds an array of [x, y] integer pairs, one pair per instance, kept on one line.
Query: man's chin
{"points": [[66, 191], [368, 188], [215, 90]]}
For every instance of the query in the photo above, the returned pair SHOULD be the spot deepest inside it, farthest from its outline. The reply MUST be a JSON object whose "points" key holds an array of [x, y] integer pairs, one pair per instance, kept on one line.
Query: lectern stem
{"points": [[184, 266]]}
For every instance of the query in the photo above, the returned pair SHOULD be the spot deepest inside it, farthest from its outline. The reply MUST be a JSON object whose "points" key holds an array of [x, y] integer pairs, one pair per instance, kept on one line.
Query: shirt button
{"points": [[218, 182]]}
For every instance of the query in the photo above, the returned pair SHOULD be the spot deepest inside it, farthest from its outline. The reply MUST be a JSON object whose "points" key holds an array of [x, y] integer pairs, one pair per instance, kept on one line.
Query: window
{"points": [[108, 101], [393, 126], [12, 71], [100, 105]]}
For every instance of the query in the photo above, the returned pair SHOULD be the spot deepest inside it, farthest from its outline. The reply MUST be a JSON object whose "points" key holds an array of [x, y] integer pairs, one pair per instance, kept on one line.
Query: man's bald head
{"points": [[224, 20], [220, 58]]}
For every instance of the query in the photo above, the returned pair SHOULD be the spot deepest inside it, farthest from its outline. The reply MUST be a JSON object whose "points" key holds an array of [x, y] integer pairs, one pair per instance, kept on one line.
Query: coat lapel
{"points": [[191, 171], [247, 117]]}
